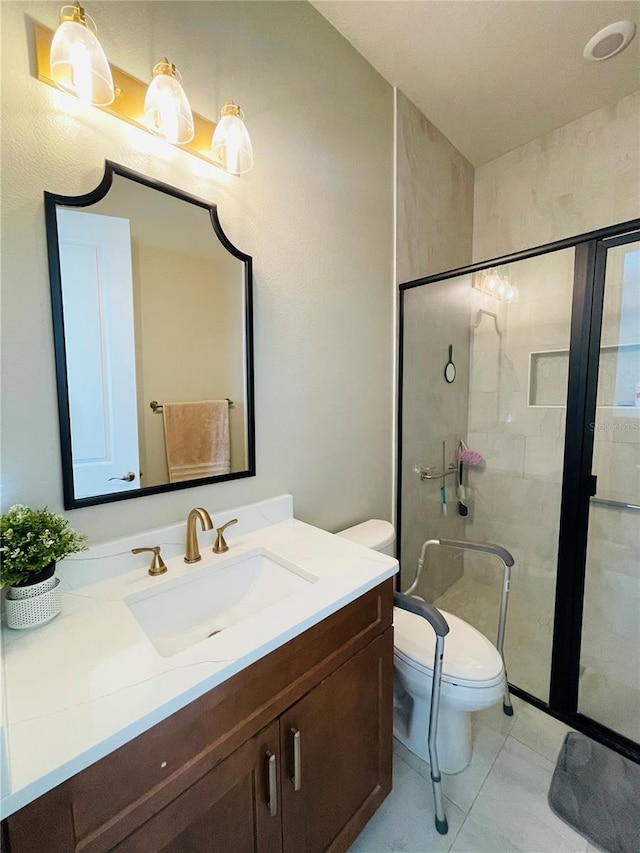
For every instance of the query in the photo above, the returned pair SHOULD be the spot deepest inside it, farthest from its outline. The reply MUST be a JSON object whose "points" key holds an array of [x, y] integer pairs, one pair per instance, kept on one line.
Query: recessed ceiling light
{"points": [[609, 41]]}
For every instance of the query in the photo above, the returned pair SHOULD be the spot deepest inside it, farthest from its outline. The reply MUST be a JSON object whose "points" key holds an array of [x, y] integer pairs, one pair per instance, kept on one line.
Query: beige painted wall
{"points": [[315, 213], [434, 230], [191, 346]]}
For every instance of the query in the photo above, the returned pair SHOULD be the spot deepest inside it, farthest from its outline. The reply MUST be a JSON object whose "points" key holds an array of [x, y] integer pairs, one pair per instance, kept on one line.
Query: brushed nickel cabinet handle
{"points": [[297, 763], [273, 784]]}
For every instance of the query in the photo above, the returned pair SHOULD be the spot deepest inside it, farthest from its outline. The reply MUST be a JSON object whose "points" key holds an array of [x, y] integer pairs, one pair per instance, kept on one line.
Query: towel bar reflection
{"points": [[157, 407]]}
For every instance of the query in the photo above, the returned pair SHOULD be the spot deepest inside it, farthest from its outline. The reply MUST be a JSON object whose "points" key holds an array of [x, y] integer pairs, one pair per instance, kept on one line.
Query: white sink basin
{"points": [[199, 605]]}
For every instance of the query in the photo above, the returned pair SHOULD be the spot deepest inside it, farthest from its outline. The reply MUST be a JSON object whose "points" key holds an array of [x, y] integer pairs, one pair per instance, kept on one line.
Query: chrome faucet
{"points": [[192, 552]]}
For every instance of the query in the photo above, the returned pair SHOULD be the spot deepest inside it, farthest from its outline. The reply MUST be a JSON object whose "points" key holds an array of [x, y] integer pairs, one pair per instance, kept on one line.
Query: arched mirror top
{"points": [[152, 304]]}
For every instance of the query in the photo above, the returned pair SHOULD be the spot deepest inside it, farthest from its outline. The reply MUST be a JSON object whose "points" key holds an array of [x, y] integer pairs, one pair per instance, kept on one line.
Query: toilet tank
{"points": [[375, 533]]}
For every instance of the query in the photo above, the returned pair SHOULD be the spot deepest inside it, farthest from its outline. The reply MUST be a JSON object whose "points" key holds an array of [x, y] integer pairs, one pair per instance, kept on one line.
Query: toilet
{"points": [[473, 676]]}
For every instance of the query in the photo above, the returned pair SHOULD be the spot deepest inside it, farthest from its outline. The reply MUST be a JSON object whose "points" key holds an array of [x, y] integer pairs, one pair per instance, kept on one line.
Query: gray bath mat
{"points": [[597, 792]]}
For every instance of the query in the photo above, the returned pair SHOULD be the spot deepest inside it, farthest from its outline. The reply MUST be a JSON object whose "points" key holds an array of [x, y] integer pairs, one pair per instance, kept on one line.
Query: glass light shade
{"points": [[231, 147], [78, 62], [492, 283], [167, 111]]}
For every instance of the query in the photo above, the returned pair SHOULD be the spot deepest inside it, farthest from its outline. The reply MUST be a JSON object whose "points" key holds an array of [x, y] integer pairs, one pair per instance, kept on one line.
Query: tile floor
{"points": [[499, 803]]}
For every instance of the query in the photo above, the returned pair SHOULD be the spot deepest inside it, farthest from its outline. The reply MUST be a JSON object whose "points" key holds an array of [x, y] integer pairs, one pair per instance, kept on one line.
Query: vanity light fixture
{"points": [[167, 111], [499, 287], [231, 146], [77, 61], [73, 60]]}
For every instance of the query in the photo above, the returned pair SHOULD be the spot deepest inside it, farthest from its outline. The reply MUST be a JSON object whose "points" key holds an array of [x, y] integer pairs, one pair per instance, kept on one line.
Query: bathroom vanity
{"points": [[275, 734]]}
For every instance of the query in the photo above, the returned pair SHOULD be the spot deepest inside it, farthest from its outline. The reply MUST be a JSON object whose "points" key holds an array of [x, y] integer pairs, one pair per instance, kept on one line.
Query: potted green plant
{"points": [[31, 540]]}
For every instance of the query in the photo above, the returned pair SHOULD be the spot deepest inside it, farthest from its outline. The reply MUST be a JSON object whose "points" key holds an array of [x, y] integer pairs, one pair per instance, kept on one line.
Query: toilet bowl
{"points": [[472, 679], [473, 676]]}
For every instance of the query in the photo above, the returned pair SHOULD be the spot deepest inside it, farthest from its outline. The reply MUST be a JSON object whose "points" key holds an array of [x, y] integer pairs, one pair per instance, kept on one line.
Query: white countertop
{"points": [[91, 680]]}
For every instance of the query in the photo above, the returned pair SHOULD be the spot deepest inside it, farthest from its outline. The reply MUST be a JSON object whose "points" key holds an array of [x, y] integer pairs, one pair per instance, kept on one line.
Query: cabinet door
{"points": [[336, 746], [233, 808]]}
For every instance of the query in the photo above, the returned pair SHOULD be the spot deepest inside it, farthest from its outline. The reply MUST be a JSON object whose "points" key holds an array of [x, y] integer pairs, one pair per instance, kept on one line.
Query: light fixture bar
{"points": [[128, 104]]}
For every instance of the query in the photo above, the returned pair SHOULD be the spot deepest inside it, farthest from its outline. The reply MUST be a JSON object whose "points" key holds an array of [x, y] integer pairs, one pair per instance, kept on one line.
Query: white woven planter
{"points": [[23, 612], [17, 592]]}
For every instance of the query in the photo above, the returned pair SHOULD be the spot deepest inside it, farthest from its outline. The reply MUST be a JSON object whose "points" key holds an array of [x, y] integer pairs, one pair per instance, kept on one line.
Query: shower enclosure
{"points": [[546, 347]]}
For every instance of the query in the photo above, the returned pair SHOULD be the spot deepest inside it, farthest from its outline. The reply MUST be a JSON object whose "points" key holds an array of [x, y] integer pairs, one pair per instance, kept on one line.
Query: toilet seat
{"points": [[470, 659]]}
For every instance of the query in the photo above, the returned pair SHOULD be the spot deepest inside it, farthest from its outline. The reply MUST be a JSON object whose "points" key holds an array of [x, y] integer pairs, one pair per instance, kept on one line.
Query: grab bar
{"points": [[425, 473], [486, 547], [507, 560], [618, 504], [440, 626]]}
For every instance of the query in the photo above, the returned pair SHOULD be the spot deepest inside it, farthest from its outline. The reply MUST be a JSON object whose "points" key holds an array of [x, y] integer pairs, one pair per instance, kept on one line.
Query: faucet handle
{"points": [[221, 546], [157, 566]]}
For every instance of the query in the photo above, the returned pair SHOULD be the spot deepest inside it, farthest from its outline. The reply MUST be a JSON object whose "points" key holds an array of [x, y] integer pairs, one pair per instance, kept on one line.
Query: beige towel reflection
{"points": [[197, 439]]}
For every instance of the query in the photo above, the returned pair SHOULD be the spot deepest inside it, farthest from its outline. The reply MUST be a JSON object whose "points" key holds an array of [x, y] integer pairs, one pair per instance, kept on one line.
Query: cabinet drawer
{"points": [[96, 809]]}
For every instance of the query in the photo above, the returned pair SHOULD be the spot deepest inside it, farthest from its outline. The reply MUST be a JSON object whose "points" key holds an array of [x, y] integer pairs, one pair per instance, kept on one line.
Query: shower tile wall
{"points": [[515, 495], [582, 176], [610, 657], [434, 233], [434, 198], [436, 316]]}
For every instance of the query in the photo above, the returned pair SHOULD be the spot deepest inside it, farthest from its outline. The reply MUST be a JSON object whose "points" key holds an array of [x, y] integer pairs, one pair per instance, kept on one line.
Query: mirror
{"points": [[450, 368], [152, 318]]}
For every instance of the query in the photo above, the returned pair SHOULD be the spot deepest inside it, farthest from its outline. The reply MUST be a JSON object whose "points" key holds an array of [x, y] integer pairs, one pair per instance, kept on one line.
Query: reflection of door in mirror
{"points": [[97, 287], [151, 302]]}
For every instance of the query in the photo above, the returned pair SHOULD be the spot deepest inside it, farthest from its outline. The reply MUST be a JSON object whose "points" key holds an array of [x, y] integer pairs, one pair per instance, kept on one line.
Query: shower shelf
{"points": [[618, 373]]}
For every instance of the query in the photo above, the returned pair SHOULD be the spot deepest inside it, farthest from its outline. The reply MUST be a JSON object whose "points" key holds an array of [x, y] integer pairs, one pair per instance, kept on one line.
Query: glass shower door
{"points": [[508, 328], [609, 680]]}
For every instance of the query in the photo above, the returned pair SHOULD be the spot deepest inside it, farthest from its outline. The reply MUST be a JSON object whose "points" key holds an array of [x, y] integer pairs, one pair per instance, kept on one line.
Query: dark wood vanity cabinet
{"points": [[224, 810], [345, 734], [291, 755]]}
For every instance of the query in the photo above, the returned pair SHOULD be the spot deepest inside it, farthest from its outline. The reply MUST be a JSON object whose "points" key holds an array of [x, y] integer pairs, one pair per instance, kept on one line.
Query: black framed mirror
{"points": [[153, 336]]}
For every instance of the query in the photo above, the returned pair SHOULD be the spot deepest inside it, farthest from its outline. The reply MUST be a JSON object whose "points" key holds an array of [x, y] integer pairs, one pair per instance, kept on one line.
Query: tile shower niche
{"points": [[619, 374]]}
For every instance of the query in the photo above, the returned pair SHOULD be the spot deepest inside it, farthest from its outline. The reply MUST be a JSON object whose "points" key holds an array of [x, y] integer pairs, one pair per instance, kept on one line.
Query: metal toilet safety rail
{"points": [[507, 561], [440, 626]]}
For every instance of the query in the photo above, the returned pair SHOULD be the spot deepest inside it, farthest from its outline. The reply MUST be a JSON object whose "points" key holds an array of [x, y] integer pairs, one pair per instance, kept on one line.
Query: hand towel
{"points": [[197, 439]]}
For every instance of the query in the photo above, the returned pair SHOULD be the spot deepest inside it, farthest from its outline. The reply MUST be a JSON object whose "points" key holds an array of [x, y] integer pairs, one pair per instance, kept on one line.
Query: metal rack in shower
{"points": [[427, 473]]}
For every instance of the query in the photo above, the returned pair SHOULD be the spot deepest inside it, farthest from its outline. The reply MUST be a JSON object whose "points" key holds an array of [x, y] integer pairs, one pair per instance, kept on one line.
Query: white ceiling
{"points": [[492, 74]]}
